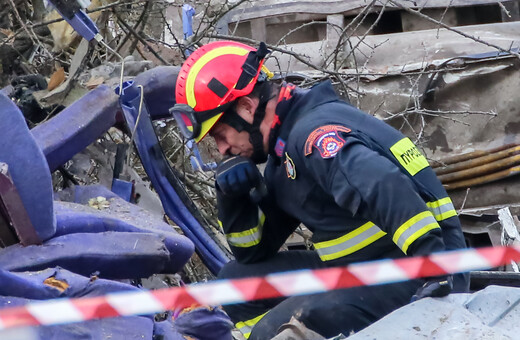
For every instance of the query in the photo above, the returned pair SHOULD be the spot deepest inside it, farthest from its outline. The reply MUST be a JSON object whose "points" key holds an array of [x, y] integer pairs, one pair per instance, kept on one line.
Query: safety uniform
{"points": [[363, 189]]}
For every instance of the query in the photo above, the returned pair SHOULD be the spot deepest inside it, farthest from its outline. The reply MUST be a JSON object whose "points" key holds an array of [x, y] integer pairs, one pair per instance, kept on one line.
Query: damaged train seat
{"points": [[25, 181], [88, 241]]}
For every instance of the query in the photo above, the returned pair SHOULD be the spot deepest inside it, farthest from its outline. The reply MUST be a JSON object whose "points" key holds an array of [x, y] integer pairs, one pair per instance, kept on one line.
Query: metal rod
{"points": [[470, 155], [480, 170], [471, 163], [483, 179]]}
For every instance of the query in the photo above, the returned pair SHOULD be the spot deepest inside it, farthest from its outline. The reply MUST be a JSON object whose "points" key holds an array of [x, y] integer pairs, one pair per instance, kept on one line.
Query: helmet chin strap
{"points": [[256, 138]]}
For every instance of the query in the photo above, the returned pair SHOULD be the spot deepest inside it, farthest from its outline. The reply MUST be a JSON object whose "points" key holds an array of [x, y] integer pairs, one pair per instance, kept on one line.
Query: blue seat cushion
{"points": [[28, 168]]}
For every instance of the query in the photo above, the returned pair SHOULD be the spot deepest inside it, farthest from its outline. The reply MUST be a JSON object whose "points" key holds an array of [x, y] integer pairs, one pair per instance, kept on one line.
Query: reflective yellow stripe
{"points": [[200, 63], [414, 228], [349, 243], [442, 209], [245, 327], [409, 156], [247, 238]]}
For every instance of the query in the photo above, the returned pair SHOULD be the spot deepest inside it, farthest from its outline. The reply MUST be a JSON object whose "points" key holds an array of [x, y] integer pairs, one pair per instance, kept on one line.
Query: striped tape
{"points": [[222, 292]]}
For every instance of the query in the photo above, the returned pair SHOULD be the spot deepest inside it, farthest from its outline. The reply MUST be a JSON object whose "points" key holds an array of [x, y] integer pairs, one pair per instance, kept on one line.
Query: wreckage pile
{"points": [[64, 234], [84, 240]]}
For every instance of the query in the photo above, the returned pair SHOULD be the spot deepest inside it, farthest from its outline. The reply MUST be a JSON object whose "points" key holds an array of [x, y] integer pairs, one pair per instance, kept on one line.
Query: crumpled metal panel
{"points": [[12, 207], [450, 95], [266, 8]]}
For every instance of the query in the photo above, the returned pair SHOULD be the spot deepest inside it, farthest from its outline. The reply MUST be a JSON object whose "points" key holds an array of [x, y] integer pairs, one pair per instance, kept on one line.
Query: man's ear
{"points": [[246, 107]]}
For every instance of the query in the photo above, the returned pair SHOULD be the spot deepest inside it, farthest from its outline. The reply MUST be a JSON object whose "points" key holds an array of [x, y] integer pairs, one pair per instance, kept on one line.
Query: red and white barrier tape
{"points": [[224, 292]]}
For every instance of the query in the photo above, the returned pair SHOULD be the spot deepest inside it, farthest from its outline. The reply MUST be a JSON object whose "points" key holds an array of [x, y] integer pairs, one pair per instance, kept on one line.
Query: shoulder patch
{"points": [[289, 167], [279, 147], [326, 139]]}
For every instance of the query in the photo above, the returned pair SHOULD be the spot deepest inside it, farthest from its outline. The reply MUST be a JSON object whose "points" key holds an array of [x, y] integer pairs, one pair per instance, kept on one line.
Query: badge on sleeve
{"points": [[279, 146], [327, 140], [289, 167]]}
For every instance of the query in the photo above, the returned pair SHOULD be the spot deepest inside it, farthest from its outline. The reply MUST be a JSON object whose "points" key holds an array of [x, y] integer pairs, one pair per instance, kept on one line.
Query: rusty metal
{"points": [[515, 170], [470, 155], [471, 163], [7, 234], [14, 213], [480, 170]]}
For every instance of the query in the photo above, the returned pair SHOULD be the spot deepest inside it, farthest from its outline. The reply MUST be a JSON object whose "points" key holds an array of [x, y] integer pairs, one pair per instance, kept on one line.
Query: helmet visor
{"points": [[186, 121], [196, 125]]}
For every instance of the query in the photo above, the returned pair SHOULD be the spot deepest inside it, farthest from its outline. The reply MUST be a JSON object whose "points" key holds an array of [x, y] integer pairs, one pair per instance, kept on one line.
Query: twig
{"points": [[144, 42], [127, 36], [490, 113], [281, 50], [31, 34], [197, 37], [141, 21], [464, 201], [173, 35], [97, 9], [504, 9], [442, 16]]}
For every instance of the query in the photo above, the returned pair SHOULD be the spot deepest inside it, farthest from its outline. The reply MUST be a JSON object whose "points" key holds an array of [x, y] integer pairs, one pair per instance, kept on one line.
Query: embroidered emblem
{"points": [[326, 139], [278, 148], [289, 167]]}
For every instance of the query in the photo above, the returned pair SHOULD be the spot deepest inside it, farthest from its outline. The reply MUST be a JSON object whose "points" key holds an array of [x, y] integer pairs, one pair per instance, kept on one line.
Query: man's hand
{"points": [[438, 286], [236, 176]]}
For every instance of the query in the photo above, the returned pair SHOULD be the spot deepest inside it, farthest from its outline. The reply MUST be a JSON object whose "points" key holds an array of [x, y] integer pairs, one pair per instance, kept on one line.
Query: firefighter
{"points": [[363, 189]]}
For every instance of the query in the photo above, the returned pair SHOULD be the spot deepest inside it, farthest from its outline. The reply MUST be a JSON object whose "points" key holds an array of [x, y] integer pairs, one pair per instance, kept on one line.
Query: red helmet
{"points": [[210, 80]]}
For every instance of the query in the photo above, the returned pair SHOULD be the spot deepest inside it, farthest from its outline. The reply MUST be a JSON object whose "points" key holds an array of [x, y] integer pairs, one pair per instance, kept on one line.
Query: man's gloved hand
{"points": [[438, 286], [236, 176]]}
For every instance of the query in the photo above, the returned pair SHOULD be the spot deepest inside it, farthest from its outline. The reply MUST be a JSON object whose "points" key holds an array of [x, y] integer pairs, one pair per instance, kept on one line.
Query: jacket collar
{"points": [[293, 103]]}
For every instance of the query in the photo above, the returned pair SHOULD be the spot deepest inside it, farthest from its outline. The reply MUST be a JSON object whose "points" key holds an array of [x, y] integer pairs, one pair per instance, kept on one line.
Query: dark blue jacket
{"points": [[363, 188]]}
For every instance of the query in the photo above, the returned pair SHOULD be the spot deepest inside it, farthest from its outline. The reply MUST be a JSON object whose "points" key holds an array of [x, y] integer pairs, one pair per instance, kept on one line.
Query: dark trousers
{"points": [[340, 311]]}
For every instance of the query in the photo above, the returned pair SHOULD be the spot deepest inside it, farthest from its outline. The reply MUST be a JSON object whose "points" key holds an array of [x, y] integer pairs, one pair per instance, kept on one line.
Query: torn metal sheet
{"points": [[492, 313], [266, 8], [509, 235], [12, 207], [448, 102]]}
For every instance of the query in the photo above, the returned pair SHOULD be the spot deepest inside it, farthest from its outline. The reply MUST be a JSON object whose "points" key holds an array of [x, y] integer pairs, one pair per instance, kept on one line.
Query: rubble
{"points": [[492, 313], [455, 94], [79, 235]]}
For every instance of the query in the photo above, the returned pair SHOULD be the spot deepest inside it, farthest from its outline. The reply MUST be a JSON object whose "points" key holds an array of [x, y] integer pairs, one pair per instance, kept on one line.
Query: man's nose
{"points": [[223, 147]]}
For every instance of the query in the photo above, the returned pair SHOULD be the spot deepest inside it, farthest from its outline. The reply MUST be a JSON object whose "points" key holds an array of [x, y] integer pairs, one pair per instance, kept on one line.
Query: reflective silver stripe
{"points": [[414, 228], [246, 331], [245, 327], [247, 238], [442, 209], [349, 243]]}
